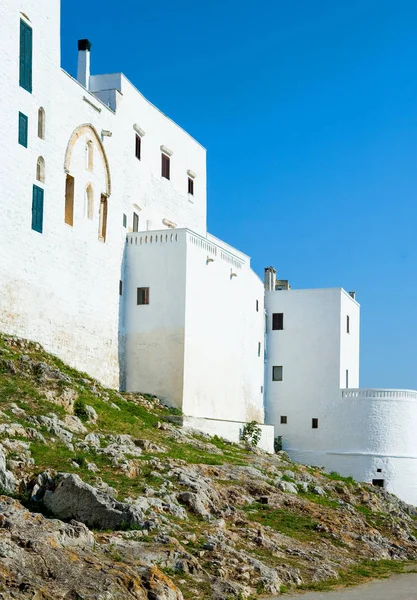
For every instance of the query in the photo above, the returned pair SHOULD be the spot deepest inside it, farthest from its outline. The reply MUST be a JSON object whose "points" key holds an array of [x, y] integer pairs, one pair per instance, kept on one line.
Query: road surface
{"points": [[398, 587]]}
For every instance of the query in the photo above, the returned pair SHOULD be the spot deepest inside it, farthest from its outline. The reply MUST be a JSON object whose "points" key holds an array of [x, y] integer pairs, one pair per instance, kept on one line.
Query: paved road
{"points": [[398, 587]]}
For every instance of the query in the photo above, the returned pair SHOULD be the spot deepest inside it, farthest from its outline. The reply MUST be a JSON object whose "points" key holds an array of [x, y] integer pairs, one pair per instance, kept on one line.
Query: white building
{"points": [[313, 397], [106, 259]]}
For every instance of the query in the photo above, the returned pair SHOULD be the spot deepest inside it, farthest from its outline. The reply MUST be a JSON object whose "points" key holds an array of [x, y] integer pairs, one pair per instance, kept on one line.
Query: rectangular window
{"points": [[23, 130], [277, 321], [166, 167], [378, 482], [37, 209], [259, 348], [315, 423], [379, 470], [135, 222], [257, 306], [283, 420], [124, 220], [190, 186], [347, 378], [138, 147], [25, 59], [347, 324], [262, 389], [143, 295], [120, 288], [69, 200], [277, 373]]}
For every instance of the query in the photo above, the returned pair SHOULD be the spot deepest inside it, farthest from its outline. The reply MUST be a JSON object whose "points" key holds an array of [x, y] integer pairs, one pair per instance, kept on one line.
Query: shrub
{"points": [[80, 410], [251, 433], [278, 444]]}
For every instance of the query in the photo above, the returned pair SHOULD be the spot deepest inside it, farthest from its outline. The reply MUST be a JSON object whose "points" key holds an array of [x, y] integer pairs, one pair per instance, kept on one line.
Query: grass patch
{"points": [[298, 526]]}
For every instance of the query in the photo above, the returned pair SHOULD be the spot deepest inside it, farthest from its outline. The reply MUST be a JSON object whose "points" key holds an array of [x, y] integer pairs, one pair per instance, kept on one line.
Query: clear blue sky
{"points": [[308, 111]]}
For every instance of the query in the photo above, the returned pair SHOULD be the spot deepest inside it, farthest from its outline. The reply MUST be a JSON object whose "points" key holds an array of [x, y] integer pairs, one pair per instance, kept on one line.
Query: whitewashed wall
{"points": [[61, 287]]}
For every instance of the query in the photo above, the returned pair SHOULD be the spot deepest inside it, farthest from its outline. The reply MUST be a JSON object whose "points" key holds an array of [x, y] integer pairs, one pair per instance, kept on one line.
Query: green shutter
{"points": [[37, 209], [23, 130], [25, 63]]}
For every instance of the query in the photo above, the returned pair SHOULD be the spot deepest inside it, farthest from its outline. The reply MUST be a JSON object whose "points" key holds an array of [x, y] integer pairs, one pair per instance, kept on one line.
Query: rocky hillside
{"points": [[104, 498]]}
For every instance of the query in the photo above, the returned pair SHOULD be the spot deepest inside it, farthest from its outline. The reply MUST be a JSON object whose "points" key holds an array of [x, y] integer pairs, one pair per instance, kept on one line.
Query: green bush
{"points": [[251, 433], [80, 410], [278, 444]]}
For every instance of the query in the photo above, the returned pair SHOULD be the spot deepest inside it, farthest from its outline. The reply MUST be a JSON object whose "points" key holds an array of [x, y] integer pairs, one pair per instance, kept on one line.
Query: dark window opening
{"points": [[347, 378], [257, 306], [143, 296], [378, 482], [135, 222], [23, 130], [190, 186], [379, 470], [347, 324], [283, 420], [277, 321], [25, 59], [277, 373], [124, 220], [259, 348], [166, 167], [138, 147], [262, 389], [315, 423], [120, 288]]}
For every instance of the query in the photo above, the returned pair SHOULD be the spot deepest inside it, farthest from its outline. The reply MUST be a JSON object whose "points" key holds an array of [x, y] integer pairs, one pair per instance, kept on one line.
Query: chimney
{"points": [[352, 295], [270, 279], [83, 74]]}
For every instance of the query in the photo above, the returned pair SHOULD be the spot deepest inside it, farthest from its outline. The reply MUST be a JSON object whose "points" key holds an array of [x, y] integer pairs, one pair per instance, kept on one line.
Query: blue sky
{"points": [[308, 111]]}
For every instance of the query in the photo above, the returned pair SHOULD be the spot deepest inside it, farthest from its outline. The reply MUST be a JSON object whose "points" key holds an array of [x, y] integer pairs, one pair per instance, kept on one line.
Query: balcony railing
{"points": [[378, 394]]}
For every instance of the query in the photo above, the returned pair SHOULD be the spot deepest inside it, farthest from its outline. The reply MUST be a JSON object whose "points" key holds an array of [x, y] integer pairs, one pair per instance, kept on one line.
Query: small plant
{"points": [[278, 444], [251, 434], [80, 410]]}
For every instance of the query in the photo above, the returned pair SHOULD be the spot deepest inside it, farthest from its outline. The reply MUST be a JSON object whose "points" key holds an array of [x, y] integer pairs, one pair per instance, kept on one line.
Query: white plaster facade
{"points": [[61, 286], [366, 434]]}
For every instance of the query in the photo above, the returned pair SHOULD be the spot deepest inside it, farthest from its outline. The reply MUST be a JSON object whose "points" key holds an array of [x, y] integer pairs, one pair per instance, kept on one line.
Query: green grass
{"points": [[298, 526]]}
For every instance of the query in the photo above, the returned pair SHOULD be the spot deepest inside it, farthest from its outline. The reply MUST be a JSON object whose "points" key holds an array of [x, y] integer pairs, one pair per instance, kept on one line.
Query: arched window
{"points": [[89, 155], [40, 170], [89, 202], [41, 123]]}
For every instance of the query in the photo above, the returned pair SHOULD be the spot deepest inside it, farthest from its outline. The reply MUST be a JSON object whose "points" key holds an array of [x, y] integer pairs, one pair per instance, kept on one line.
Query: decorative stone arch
{"points": [[87, 128]]}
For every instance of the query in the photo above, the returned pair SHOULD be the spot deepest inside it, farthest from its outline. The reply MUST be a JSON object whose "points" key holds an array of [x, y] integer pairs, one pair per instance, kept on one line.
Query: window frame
{"points": [[278, 378], [26, 57], [23, 133], [165, 166], [145, 297], [277, 321]]}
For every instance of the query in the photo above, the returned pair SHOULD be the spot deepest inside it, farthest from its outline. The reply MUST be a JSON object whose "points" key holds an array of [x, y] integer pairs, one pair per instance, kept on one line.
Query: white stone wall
{"points": [[196, 344], [61, 287]]}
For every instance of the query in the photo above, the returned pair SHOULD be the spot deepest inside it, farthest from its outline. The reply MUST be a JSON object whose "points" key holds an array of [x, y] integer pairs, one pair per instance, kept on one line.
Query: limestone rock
{"points": [[8, 482], [74, 499]]}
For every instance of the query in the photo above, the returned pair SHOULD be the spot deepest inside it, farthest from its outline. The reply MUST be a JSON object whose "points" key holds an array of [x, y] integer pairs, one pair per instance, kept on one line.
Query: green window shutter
{"points": [[25, 62], [37, 209], [23, 130]]}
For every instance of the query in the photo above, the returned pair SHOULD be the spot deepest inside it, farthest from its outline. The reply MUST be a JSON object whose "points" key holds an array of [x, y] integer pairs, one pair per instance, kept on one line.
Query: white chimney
{"points": [[270, 279], [83, 74]]}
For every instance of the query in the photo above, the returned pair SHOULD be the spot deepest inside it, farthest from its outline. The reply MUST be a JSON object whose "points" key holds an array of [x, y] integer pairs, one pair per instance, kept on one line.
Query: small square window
{"points": [[138, 147], [347, 324], [191, 186], [379, 470], [283, 420], [135, 222], [124, 220], [277, 373], [143, 296], [166, 167], [315, 423], [277, 321]]}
